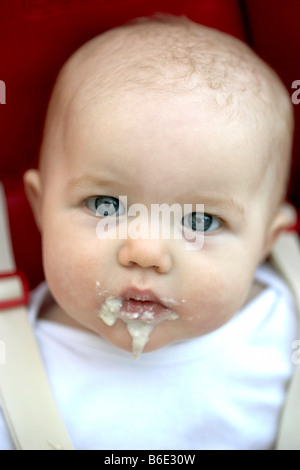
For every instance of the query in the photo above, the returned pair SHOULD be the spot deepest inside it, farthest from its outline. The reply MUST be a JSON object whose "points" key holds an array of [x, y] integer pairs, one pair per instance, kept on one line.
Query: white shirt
{"points": [[224, 390]]}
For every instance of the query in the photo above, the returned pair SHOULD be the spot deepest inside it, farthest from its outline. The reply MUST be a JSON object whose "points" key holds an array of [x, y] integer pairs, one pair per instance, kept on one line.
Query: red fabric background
{"points": [[37, 36]]}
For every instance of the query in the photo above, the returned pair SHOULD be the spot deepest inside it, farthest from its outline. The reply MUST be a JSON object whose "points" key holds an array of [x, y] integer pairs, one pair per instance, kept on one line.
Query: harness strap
{"points": [[286, 257], [28, 404]]}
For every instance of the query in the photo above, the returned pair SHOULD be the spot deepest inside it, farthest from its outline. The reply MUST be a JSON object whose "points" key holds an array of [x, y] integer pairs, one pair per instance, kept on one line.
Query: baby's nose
{"points": [[146, 254]]}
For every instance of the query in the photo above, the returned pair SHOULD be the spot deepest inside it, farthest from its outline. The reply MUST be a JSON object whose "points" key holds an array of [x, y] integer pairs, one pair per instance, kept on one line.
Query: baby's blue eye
{"points": [[105, 206], [201, 222]]}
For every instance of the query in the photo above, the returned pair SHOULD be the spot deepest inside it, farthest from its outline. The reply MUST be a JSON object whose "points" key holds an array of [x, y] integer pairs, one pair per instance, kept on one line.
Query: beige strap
{"points": [[28, 404], [7, 262], [286, 257]]}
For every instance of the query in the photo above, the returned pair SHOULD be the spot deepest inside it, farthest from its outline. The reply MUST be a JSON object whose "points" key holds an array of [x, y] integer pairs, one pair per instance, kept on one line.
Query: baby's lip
{"points": [[141, 295], [142, 305]]}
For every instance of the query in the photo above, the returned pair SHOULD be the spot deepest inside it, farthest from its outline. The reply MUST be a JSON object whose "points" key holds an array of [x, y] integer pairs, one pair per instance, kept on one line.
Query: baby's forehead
{"points": [[174, 55], [170, 57]]}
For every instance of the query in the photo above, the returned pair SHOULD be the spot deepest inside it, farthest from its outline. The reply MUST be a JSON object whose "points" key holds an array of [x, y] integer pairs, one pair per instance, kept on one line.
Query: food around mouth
{"points": [[140, 316]]}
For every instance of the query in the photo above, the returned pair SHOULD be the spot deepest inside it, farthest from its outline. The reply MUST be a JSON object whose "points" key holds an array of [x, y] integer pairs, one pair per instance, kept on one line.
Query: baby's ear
{"points": [[280, 222], [33, 189]]}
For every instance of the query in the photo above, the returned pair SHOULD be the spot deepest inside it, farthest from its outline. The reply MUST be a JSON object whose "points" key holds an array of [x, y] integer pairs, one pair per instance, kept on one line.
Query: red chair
{"points": [[36, 38]]}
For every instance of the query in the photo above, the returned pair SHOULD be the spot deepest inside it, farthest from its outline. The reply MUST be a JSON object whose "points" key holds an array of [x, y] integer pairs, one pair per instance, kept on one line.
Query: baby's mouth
{"points": [[143, 306], [141, 310]]}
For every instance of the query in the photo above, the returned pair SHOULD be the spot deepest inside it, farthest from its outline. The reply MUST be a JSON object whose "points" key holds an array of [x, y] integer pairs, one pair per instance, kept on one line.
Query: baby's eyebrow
{"points": [[224, 203], [85, 181]]}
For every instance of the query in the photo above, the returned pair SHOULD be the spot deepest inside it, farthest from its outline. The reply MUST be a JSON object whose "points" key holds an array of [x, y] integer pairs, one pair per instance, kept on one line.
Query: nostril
{"points": [[145, 254]]}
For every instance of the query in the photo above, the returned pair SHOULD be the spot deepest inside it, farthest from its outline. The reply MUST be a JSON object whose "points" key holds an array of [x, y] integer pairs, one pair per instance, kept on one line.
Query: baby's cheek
{"points": [[214, 302], [229, 295], [67, 272]]}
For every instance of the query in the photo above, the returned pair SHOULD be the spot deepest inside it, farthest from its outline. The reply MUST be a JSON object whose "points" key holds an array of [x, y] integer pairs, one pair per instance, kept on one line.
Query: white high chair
{"points": [[25, 394]]}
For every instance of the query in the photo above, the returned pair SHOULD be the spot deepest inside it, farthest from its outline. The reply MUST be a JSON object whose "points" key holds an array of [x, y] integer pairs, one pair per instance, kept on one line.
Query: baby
{"points": [[164, 111]]}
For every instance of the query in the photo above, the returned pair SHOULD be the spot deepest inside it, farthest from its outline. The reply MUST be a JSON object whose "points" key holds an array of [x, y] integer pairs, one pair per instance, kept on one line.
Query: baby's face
{"points": [[154, 150]]}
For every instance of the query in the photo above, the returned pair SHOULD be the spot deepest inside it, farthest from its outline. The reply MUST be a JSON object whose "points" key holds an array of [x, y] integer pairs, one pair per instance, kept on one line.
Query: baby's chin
{"points": [[137, 338]]}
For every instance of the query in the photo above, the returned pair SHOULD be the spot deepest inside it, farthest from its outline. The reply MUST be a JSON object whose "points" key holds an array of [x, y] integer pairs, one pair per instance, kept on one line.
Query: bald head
{"points": [[168, 56]]}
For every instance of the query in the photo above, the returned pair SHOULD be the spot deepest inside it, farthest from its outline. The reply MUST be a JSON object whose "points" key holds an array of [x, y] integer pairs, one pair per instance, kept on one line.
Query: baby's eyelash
{"points": [[201, 222]]}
